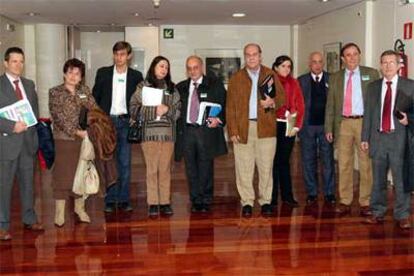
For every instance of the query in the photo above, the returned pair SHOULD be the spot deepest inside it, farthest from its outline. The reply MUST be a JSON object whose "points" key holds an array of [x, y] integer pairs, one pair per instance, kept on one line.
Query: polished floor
{"points": [[302, 241]]}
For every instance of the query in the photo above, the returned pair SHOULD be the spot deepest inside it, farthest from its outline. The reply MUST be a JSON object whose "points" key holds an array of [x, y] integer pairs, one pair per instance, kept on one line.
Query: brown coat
{"points": [[237, 105]]}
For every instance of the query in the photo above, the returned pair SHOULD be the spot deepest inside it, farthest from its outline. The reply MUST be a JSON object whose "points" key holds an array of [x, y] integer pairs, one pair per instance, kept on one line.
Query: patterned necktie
{"points": [[386, 109], [194, 104], [19, 93], [348, 96]]}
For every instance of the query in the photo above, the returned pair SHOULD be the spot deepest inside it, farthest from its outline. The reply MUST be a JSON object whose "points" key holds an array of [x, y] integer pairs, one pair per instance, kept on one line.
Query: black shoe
{"points": [[205, 208], [291, 203], [166, 210], [109, 208], [196, 208], [125, 206], [153, 211], [311, 199], [267, 210], [330, 199], [247, 211]]}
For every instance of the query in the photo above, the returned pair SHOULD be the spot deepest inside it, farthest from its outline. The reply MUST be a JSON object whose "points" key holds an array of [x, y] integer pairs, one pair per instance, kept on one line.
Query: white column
{"points": [[50, 42]]}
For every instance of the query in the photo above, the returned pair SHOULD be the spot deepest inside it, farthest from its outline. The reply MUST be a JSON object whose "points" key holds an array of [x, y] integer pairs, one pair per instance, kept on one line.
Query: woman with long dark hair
{"points": [[158, 134], [292, 111]]}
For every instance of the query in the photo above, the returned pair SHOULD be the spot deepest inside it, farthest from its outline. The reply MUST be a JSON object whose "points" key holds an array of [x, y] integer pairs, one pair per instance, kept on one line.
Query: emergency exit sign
{"points": [[168, 33]]}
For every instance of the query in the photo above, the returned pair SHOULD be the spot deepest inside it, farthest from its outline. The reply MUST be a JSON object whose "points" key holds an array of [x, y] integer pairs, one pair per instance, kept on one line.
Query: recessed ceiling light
{"points": [[324, 1], [149, 25], [32, 14], [98, 31], [239, 14], [136, 14]]}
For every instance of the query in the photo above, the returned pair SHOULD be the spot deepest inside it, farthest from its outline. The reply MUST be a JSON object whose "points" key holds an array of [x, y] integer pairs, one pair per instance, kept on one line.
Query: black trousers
{"points": [[281, 165], [199, 166]]}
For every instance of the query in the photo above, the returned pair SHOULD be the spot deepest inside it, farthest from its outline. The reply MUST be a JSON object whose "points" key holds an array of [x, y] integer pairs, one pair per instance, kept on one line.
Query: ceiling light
{"points": [[32, 14], [324, 1], [136, 14], [239, 14]]}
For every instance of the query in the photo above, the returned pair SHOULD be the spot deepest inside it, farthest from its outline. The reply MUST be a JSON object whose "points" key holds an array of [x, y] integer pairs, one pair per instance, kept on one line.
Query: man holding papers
{"points": [[252, 129], [18, 144], [200, 136]]}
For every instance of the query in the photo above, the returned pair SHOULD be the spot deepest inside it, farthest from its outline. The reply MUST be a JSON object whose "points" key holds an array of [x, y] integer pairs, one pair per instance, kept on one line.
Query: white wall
{"points": [[274, 40], [97, 51], [344, 25], [146, 38], [10, 38], [404, 14]]}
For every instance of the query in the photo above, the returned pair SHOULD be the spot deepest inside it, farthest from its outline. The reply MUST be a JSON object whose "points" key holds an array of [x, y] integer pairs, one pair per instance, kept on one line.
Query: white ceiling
{"points": [[185, 12]]}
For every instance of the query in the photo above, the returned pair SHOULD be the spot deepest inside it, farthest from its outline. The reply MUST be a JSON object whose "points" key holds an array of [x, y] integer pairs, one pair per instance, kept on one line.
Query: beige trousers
{"points": [[349, 140], [258, 152], [158, 157]]}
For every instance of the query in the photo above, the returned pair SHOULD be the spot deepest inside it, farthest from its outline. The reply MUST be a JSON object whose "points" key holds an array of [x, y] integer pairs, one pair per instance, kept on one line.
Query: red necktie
{"points": [[19, 93], [348, 96], [386, 110]]}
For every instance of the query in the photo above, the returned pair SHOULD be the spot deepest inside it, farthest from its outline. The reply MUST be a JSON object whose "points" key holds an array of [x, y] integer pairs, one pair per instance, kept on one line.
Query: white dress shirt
{"points": [[393, 96], [12, 79], [119, 81], [190, 94]]}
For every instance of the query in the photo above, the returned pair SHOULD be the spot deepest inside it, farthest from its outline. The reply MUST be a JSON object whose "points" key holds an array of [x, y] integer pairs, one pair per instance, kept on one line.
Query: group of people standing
{"points": [[352, 109]]}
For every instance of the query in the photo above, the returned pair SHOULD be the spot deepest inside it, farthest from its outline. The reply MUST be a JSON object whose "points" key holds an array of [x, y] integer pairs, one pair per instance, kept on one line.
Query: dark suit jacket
{"points": [[102, 90], [403, 142], [335, 101], [11, 144], [305, 82], [214, 137]]}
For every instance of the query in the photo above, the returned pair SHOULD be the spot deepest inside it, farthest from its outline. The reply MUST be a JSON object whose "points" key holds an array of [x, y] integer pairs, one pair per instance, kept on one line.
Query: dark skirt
{"points": [[66, 162]]}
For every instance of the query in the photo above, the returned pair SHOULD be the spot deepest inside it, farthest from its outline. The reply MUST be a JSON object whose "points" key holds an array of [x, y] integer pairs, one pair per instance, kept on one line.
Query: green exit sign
{"points": [[168, 33]]}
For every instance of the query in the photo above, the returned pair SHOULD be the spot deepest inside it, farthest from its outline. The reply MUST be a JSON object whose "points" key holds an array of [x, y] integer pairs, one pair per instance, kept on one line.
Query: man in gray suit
{"points": [[18, 145], [384, 134]]}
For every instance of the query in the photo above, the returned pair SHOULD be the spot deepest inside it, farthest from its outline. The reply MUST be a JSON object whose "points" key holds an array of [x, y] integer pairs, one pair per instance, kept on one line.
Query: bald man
{"points": [[312, 135], [200, 143]]}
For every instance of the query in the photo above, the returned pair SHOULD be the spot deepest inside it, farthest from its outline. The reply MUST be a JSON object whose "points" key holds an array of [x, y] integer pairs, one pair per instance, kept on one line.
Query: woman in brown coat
{"points": [[65, 103]]}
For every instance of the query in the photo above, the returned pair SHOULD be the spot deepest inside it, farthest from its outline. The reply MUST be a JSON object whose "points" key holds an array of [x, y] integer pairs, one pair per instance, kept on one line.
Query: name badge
{"points": [[82, 96], [365, 77], [121, 80], [203, 95]]}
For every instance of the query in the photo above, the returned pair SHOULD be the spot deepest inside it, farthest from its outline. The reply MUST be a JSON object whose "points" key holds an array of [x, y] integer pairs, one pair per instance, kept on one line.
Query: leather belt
{"points": [[123, 116], [353, 117], [193, 125]]}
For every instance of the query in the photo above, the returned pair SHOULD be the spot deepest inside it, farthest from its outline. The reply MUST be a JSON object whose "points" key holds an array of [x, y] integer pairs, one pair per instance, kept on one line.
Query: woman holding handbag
{"points": [[158, 134], [65, 104]]}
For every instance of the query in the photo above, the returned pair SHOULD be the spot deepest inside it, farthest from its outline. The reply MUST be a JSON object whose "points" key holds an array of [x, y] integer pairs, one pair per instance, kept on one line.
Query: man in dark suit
{"points": [[312, 135], [200, 144], [18, 144], [343, 123], [114, 86], [384, 134]]}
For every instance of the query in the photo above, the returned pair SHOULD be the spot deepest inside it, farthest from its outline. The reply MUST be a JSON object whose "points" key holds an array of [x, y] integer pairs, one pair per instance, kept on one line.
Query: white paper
{"points": [[203, 106], [19, 111], [151, 96]]}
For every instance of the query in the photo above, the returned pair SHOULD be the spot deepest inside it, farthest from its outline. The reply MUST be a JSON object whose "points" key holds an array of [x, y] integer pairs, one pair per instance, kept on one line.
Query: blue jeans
{"points": [[119, 192], [313, 138]]}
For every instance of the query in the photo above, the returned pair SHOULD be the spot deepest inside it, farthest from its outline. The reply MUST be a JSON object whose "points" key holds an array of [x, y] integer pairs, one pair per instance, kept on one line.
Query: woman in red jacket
{"points": [[289, 120]]}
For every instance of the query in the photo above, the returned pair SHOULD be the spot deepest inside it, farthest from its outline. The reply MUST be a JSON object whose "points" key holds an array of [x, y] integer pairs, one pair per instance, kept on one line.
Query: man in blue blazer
{"points": [[312, 135], [18, 144], [114, 86]]}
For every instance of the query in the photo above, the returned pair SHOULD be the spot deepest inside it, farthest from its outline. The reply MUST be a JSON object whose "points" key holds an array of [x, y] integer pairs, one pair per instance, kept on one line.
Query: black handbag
{"points": [[135, 132]]}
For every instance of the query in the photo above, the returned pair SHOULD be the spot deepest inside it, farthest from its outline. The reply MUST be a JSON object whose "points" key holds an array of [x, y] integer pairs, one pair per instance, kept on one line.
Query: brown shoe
{"points": [[343, 209], [34, 227], [404, 223], [365, 211], [5, 235], [374, 220]]}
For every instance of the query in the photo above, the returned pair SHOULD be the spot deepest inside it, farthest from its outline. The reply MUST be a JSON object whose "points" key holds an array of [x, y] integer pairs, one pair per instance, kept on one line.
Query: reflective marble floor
{"points": [[302, 241]]}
